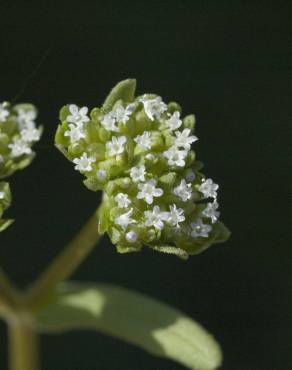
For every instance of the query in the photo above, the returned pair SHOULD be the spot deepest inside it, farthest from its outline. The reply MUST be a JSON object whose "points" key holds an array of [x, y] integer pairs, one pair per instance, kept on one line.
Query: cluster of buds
{"points": [[138, 151], [18, 133]]}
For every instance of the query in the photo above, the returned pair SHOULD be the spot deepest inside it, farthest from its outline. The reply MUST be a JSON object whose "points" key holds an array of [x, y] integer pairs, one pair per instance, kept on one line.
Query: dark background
{"points": [[229, 63]]}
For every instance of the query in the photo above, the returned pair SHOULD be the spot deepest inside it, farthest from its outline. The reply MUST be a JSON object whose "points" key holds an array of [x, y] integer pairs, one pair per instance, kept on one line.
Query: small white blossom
{"points": [[25, 118], [156, 217], [183, 139], [2, 194], [101, 174], [200, 229], [30, 134], [77, 116], [109, 122], [116, 145], [175, 156], [122, 115], [19, 147], [122, 200], [131, 237], [211, 211], [138, 173], [4, 113], [148, 191], [183, 191], [175, 216], [124, 220], [154, 107], [75, 133], [209, 188], [174, 122], [84, 162], [144, 140]]}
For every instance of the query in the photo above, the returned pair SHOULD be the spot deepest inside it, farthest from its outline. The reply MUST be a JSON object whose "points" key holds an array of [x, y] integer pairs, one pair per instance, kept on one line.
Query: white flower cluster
{"points": [[19, 132], [140, 155]]}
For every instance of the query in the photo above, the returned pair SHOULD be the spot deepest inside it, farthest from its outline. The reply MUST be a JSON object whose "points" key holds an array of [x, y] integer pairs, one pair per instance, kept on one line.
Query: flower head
{"points": [[148, 191], [154, 107], [208, 188], [144, 140], [77, 116], [138, 173], [175, 156], [184, 140], [199, 229], [156, 218], [116, 145], [84, 163], [175, 216], [183, 190], [174, 122], [141, 157], [124, 220], [123, 200]]}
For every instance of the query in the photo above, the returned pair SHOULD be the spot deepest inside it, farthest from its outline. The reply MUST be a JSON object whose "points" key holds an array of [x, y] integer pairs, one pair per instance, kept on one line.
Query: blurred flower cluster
{"points": [[138, 151], [18, 133]]}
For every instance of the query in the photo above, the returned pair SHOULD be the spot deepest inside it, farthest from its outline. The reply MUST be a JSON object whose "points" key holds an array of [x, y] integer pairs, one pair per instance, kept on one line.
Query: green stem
{"points": [[66, 262], [10, 297], [23, 342]]}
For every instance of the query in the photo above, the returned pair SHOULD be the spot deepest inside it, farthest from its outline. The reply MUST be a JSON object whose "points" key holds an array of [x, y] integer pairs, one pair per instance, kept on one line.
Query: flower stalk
{"points": [[64, 265]]}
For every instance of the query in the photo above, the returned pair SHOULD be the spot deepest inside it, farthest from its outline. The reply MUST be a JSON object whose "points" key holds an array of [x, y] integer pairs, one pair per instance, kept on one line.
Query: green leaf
{"points": [[156, 327], [124, 90]]}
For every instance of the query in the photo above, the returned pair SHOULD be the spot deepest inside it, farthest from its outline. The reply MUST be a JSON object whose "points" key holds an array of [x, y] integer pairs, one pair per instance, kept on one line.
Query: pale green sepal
{"points": [[171, 250], [124, 90], [5, 223], [135, 318]]}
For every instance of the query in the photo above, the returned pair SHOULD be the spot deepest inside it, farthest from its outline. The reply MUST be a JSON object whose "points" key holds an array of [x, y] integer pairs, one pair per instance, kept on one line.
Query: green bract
{"points": [[18, 133], [137, 150]]}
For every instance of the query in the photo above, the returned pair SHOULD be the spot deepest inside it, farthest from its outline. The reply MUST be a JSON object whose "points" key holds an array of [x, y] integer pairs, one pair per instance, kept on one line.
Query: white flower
{"points": [[4, 113], [124, 220], [84, 163], [138, 173], [116, 145], [109, 122], [155, 218], [174, 121], [154, 107], [77, 116], [175, 156], [183, 139], [208, 188], [144, 140], [122, 200], [25, 118], [200, 229], [122, 115], [183, 191], [2, 194], [175, 216], [131, 237], [211, 211], [148, 191], [75, 133], [30, 134], [19, 147]]}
